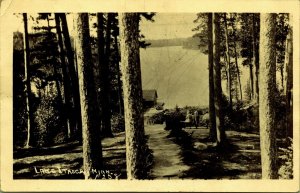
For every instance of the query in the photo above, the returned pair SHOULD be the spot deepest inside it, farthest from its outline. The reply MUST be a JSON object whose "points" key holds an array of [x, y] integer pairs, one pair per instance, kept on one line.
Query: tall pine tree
{"points": [[212, 113], [91, 141], [217, 81], [267, 89], [133, 99], [27, 81]]}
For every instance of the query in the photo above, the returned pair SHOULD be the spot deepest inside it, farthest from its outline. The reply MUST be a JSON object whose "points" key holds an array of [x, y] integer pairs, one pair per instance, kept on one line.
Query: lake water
{"points": [[179, 75]]}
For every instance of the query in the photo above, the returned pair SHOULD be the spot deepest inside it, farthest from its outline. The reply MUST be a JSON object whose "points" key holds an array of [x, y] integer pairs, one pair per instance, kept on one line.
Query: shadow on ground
{"points": [[238, 160], [65, 161]]}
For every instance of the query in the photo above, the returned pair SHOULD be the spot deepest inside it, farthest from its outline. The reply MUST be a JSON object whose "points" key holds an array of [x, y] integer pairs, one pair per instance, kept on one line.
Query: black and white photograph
{"points": [[207, 96]]}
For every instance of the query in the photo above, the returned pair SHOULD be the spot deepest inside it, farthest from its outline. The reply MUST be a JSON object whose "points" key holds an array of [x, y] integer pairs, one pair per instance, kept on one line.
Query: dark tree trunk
{"points": [[257, 72], [120, 90], [73, 77], [281, 67], [217, 82], [27, 82], [228, 62], [289, 81], [237, 65], [104, 63], [212, 114], [57, 83], [267, 89], [133, 99], [48, 23], [91, 139], [255, 59], [251, 81], [282, 76], [101, 63], [66, 79]]}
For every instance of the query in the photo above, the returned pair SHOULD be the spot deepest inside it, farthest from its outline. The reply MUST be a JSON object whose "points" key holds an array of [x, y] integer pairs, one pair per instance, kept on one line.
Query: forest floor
{"points": [[65, 161], [187, 155], [239, 160]]}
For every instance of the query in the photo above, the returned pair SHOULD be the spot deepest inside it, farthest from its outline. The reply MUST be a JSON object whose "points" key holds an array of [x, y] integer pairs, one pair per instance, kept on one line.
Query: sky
{"points": [[169, 25], [165, 26], [18, 25]]}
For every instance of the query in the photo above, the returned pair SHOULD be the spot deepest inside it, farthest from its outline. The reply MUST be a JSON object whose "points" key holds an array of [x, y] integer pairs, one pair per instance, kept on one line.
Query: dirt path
{"points": [[167, 155]]}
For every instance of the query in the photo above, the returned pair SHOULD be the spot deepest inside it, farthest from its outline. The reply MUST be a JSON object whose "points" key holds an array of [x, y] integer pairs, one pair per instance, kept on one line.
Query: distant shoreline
{"points": [[192, 43]]}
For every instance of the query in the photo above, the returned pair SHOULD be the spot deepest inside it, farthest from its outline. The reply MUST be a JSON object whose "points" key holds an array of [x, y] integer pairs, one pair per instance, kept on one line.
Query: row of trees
{"points": [[264, 42], [51, 82], [81, 76], [239, 38], [133, 109]]}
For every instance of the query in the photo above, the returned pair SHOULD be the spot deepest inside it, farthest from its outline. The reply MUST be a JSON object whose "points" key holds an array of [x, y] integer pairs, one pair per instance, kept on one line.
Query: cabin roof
{"points": [[149, 95]]}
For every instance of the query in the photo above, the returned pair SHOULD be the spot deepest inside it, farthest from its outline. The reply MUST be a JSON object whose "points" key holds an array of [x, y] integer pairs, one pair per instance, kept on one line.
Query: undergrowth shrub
{"points": [[117, 123], [173, 118], [49, 124], [244, 117], [286, 161], [280, 115], [157, 118]]}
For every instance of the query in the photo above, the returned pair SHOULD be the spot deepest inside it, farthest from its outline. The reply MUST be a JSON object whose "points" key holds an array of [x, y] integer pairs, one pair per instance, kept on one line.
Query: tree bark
{"points": [[228, 61], [281, 65], [27, 82], [267, 89], [281, 68], [217, 81], [236, 62], [257, 73], [289, 81], [48, 23], [212, 113], [101, 63], [251, 81], [91, 141], [133, 99], [120, 90], [73, 77], [66, 79], [255, 59], [105, 82]]}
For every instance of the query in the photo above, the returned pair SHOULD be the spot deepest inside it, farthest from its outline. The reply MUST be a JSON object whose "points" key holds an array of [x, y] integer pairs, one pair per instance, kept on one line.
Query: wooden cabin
{"points": [[149, 98]]}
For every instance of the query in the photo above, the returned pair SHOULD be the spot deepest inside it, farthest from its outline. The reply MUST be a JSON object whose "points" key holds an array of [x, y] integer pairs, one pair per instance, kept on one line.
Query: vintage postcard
{"points": [[150, 96]]}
